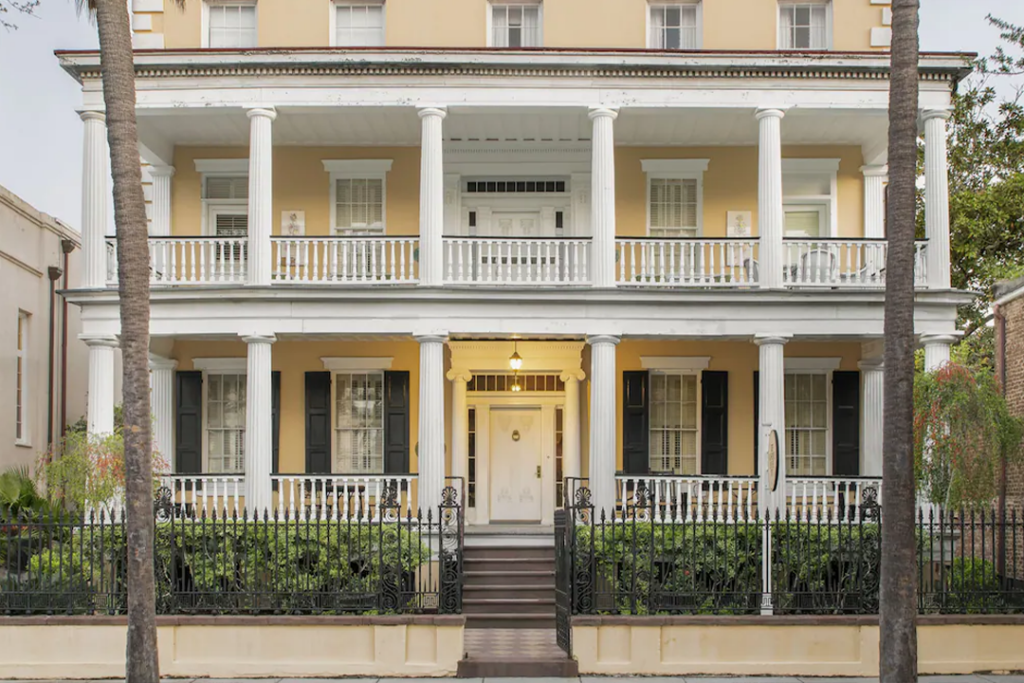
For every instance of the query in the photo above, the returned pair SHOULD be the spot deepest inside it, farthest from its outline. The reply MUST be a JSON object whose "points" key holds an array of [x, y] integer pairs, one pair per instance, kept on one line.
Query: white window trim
{"points": [[674, 363], [497, 3], [668, 3], [817, 366], [205, 23], [22, 354], [332, 19], [676, 169], [341, 369], [208, 168], [218, 366], [217, 206], [693, 372], [829, 167], [828, 24], [358, 169], [343, 365]]}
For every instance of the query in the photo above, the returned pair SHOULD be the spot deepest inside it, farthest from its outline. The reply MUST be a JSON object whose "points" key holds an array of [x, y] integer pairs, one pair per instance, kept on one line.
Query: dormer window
{"points": [[805, 25], [515, 24], [230, 24]]}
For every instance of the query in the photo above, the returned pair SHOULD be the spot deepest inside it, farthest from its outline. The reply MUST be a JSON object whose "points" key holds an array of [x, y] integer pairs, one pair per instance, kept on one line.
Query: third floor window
{"points": [[359, 24], [804, 25], [515, 24], [231, 24], [674, 26]]}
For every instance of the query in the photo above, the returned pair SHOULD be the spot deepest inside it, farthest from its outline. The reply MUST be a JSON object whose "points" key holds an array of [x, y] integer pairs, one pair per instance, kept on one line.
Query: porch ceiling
{"points": [[160, 130]]}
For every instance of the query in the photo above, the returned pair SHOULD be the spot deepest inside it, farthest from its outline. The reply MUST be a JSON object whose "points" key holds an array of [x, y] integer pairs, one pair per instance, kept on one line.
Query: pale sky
{"points": [[41, 135]]}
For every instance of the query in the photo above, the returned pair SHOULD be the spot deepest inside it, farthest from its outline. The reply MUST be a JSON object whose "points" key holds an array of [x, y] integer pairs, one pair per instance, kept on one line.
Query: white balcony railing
{"points": [[856, 263], [687, 262], [832, 499], [687, 498], [346, 496], [500, 261], [189, 260], [345, 260]]}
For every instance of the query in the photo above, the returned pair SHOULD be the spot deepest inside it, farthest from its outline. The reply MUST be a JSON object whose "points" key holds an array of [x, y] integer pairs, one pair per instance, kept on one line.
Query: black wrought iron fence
{"points": [[633, 563], [239, 564]]}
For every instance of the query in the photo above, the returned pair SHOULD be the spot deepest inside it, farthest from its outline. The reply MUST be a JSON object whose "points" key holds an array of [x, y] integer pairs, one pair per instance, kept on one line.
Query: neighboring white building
{"points": [[31, 244]]}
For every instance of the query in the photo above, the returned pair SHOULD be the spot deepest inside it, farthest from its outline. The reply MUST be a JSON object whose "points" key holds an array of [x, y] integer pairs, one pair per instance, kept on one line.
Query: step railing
{"points": [[345, 260], [855, 263], [522, 261], [685, 262], [346, 496]]}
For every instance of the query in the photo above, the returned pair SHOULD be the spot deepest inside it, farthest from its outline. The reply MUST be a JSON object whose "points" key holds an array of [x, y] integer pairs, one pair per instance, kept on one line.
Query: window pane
{"points": [[802, 223], [359, 424]]}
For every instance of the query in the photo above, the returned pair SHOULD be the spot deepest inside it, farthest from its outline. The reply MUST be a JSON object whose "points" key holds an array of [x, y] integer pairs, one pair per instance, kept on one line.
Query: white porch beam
{"points": [[259, 434], [875, 179], [603, 446], [161, 225], [261, 166]]}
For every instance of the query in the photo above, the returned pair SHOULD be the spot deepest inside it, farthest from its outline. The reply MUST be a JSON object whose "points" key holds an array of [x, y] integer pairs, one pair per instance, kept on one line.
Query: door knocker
{"points": [[515, 435]]}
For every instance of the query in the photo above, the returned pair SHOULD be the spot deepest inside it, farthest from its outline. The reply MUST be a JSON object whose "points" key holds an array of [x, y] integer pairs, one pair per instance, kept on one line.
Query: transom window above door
{"points": [[805, 25], [515, 24], [674, 26], [358, 23], [230, 24]]}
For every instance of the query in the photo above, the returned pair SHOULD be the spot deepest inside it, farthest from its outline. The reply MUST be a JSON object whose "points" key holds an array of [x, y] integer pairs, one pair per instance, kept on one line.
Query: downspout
{"points": [[66, 246], [1000, 324], [54, 273]]}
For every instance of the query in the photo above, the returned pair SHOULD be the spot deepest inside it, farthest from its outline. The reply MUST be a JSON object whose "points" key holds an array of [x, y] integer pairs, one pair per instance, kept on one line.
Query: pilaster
{"points": [[872, 416], [161, 386]]}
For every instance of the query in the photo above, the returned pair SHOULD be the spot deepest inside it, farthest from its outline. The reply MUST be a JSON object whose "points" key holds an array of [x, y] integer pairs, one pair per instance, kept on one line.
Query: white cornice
{"points": [[355, 364], [220, 365], [236, 166]]}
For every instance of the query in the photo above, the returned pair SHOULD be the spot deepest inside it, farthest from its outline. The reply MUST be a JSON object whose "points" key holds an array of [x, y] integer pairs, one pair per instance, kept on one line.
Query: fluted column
{"points": [[259, 434], [772, 412], [872, 417], [602, 422], [936, 350], [161, 223], [431, 198], [460, 422], [94, 199], [602, 203], [161, 388], [771, 218], [936, 197], [261, 187], [571, 425], [100, 399], [431, 423]]}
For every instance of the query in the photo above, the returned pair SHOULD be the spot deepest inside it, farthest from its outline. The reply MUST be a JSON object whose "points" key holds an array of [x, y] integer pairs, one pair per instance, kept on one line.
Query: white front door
{"points": [[516, 483]]}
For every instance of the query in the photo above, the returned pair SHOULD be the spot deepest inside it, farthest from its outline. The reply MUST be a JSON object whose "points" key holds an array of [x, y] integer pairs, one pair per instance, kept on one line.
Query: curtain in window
{"points": [[803, 27], [225, 423], [359, 423], [232, 25], [673, 208], [515, 25], [806, 424], [673, 431], [360, 206], [359, 25], [674, 27]]}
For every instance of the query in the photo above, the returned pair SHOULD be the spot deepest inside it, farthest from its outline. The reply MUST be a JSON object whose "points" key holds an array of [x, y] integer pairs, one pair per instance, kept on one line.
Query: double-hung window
{"points": [[358, 23], [359, 422], [674, 26], [21, 382], [807, 423], [515, 24], [675, 204], [358, 195], [805, 25], [230, 23], [225, 422], [674, 424]]}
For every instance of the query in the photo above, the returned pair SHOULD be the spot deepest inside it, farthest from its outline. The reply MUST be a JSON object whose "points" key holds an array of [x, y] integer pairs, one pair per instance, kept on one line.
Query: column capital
{"points": [[160, 363], [93, 116], [431, 338], [459, 375], [939, 339], [942, 113], [577, 375], [872, 365], [769, 339], [441, 112], [257, 338], [266, 112], [159, 171], [770, 113], [875, 171], [603, 339], [603, 112], [99, 341]]}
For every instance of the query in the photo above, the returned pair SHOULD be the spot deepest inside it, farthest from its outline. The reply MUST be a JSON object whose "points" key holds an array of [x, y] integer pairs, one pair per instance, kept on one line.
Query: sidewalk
{"points": [[973, 678]]}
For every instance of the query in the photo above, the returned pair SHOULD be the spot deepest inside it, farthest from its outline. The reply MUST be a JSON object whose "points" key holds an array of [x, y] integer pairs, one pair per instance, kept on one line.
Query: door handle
{"points": [[538, 471]]}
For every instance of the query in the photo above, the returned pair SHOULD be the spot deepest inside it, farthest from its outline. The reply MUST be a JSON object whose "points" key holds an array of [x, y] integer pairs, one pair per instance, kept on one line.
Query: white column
{"points": [[460, 423], [161, 387], [100, 399], [431, 199], [936, 197], [261, 187], [431, 423], [602, 422], [872, 416], [602, 197], [770, 219], [936, 350], [875, 178], [161, 224], [259, 434], [571, 425], [94, 199], [772, 414]]}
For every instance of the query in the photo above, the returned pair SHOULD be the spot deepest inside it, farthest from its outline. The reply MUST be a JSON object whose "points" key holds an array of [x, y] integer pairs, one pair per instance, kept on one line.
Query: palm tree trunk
{"points": [[898, 594], [118, 71]]}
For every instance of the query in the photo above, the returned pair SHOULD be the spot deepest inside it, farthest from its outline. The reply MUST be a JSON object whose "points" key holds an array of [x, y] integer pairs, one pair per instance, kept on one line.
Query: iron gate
{"points": [[563, 581]]}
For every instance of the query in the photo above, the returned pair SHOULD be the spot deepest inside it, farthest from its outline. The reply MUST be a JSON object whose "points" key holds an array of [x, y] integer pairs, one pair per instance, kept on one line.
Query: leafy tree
{"points": [[7, 7]]}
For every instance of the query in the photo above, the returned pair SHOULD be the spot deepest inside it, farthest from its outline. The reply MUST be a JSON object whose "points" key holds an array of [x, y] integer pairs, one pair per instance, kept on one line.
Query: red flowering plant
{"points": [[962, 430]]}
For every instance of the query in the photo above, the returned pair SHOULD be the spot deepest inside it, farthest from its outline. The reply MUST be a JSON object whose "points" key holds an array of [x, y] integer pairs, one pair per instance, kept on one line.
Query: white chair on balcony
{"points": [[818, 267]]}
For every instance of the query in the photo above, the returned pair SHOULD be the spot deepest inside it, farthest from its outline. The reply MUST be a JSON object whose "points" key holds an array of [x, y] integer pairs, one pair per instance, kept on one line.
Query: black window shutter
{"points": [[757, 422], [188, 420], [318, 422], [714, 448], [846, 423], [636, 436], [396, 422], [275, 418]]}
